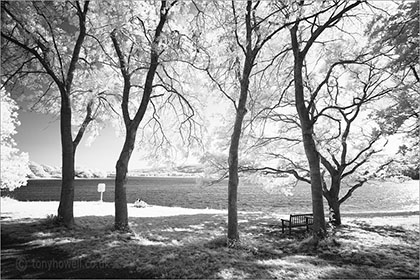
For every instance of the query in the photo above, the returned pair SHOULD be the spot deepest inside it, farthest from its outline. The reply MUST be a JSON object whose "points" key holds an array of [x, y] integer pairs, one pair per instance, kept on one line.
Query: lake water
{"points": [[184, 192]]}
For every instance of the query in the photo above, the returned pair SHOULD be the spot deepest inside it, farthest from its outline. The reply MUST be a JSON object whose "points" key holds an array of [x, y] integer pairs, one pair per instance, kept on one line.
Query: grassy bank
{"points": [[176, 244]]}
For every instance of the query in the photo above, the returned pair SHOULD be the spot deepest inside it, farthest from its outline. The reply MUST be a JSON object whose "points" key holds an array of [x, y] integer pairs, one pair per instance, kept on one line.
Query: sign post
{"points": [[101, 189]]}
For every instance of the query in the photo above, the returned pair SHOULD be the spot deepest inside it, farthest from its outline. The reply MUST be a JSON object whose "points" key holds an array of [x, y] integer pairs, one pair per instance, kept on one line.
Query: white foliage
{"points": [[37, 170], [273, 184], [9, 120], [83, 172], [14, 168], [205, 180], [14, 164]]}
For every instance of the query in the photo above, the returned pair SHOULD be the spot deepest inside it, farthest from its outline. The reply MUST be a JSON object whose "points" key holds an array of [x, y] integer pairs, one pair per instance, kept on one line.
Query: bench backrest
{"points": [[299, 219]]}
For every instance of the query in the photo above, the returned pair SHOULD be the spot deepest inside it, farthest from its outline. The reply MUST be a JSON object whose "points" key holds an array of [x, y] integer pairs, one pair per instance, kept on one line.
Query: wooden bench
{"points": [[299, 220]]}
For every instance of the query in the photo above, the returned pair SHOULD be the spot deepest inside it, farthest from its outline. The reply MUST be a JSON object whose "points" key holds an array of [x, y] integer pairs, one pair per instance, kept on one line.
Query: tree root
{"points": [[122, 227], [233, 243]]}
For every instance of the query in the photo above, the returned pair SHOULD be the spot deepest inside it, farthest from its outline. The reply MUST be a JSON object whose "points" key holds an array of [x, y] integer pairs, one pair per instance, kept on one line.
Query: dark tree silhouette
{"points": [[42, 54]]}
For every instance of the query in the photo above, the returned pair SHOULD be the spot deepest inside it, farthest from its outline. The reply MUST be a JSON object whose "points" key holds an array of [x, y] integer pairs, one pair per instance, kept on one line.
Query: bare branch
{"points": [[126, 77], [330, 22], [221, 89], [236, 28], [77, 47], [82, 129], [352, 189], [43, 62], [270, 170]]}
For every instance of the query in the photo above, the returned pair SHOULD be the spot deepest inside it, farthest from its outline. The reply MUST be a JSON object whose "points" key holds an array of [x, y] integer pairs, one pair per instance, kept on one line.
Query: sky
{"points": [[39, 135]]}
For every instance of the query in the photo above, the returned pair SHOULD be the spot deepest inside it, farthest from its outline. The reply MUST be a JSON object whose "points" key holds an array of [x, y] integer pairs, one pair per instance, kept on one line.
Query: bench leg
{"points": [[290, 230]]}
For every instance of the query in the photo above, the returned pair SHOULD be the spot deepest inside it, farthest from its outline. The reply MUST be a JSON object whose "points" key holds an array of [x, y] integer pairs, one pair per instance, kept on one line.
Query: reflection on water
{"points": [[184, 192]]}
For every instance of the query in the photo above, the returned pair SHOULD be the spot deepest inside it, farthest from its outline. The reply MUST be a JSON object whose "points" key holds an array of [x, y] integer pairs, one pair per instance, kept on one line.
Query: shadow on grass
{"points": [[35, 249], [193, 246], [366, 251]]}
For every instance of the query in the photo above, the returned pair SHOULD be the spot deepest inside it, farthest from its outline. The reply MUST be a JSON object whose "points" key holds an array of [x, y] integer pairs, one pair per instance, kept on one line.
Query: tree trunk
{"points": [[311, 152], [335, 216], [65, 209], [319, 227], [121, 213], [233, 234], [333, 201]]}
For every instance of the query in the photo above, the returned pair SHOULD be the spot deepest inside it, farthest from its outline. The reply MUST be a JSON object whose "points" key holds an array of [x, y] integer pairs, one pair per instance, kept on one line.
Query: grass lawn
{"points": [[168, 242]]}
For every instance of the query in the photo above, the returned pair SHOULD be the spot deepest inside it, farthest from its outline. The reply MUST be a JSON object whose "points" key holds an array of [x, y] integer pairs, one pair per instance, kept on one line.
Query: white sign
{"points": [[101, 187]]}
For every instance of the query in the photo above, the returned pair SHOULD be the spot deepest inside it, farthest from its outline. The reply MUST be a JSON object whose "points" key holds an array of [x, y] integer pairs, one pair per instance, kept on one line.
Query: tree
{"points": [[35, 41], [250, 55], [131, 125], [252, 27], [347, 85], [347, 139], [351, 139], [144, 57], [14, 164], [304, 107]]}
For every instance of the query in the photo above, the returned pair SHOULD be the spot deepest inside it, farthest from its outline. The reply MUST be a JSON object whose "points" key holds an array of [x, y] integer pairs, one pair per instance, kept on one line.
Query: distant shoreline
{"points": [[112, 177], [381, 213]]}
